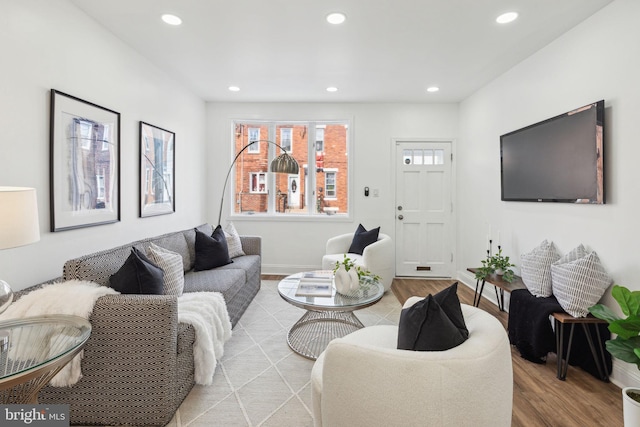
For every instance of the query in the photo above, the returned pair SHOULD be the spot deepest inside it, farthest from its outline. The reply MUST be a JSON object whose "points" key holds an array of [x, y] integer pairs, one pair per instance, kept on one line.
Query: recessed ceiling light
{"points": [[332, 89], [507, 17], [234, 88], [336, 18], [433, 89], [171, 19]]}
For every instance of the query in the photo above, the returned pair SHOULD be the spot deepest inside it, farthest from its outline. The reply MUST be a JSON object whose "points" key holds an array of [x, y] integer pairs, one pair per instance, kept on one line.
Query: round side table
{"points": [[33, 350]]}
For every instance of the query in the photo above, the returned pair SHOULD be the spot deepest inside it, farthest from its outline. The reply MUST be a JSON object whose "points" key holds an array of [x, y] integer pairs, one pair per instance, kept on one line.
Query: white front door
{"points": [[424, 210], [294, 191]]}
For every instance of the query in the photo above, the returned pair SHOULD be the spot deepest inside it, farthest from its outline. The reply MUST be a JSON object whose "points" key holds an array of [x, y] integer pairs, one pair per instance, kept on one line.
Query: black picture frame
{"points": [[157, 170], [84, 163]]}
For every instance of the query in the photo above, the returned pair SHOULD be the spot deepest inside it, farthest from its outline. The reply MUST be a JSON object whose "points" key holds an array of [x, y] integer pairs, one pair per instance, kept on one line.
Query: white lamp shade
{"points": [[19, 223]]}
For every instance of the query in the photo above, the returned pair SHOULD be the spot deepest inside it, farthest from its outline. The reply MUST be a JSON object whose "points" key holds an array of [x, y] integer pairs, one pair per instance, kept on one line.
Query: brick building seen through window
{"points": [[320, 188]]}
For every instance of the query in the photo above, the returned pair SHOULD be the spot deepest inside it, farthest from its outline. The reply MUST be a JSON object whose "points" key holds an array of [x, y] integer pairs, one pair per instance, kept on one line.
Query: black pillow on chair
{"points": [[138, 275], [434, 323], [363, 238], [211, 251]]}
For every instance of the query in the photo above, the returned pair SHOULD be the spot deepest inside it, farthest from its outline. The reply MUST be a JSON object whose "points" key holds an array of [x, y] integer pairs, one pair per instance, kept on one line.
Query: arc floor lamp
{"points": [[284, 163]]}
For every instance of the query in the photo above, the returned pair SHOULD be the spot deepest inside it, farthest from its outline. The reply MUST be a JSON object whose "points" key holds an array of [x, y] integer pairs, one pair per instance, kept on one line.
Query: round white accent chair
{"points": [[378, 257], [363, 380]]}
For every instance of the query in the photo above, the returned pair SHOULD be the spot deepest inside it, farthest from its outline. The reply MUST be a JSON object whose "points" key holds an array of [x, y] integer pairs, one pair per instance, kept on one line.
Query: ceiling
{"points": [[386, 51]]}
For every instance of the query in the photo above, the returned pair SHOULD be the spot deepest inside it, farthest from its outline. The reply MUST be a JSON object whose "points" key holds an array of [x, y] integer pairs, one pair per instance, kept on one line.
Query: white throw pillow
{"points": [[578, 281], [535, 268], [171, 263], [233, 241]]}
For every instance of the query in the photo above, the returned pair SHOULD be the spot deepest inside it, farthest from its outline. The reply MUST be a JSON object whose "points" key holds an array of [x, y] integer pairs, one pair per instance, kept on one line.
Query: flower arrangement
{"points": [[365, 277]]}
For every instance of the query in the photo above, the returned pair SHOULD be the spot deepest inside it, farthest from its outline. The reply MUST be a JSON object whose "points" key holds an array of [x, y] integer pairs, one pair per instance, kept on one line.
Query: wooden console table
{"points": [[497, 282]]}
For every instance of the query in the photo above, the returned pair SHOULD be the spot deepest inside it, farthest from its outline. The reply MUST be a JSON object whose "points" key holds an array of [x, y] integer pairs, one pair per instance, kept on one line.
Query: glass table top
{"points": [[359, 299], [33, 342]]}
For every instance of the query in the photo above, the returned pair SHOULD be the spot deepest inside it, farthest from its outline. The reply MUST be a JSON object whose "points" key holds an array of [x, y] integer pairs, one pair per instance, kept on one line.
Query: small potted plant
{"points": [[626, 345], [498, 264]]}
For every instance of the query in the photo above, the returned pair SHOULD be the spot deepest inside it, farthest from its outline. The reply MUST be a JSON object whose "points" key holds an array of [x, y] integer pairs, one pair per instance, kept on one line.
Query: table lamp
{"points": [[18, 226]]}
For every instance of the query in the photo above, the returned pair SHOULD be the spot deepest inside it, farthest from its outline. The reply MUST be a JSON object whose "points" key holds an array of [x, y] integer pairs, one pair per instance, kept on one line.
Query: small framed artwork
{"points": [[157, 171], [84, 163]]}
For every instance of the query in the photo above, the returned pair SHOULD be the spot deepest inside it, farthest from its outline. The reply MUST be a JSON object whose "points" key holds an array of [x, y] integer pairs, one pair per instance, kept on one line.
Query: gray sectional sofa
{"points": [[138, 363]]}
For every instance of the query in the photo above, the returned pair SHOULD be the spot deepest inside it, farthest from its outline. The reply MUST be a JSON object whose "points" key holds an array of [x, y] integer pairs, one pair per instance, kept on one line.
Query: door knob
{"points": [[400, 217]]}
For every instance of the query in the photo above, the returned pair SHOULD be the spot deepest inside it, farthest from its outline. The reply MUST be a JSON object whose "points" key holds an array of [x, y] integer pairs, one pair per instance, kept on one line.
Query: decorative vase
{"points": [[346, 281], [499, 271], [630, 407]]}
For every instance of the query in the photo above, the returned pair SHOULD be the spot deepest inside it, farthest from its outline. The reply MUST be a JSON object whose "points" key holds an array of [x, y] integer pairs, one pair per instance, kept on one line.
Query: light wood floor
{"points": [[539, 398]]}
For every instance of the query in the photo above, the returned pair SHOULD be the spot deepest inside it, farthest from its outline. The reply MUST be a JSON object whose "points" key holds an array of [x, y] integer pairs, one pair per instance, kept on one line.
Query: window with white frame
{"points": [[254, 135], [258, 182], [322, 184], [330, 180], [286, 139]]}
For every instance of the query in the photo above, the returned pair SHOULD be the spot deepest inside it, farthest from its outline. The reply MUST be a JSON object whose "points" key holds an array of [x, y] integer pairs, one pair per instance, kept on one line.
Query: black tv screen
{"points": [[557, 160]]}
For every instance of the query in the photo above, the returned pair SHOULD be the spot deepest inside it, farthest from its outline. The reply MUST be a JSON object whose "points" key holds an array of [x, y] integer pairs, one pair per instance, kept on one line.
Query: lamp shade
{"points": [[284, 163], [19, 223]]}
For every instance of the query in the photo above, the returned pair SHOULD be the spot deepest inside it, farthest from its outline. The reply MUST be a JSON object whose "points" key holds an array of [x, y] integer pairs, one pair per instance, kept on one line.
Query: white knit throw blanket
{"points": [[74, 297], [207, 312]]}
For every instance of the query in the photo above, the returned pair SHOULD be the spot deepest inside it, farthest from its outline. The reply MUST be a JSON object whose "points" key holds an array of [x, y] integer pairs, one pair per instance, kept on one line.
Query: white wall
{"points": [[598, 59], [49, 44], [374, 126]]}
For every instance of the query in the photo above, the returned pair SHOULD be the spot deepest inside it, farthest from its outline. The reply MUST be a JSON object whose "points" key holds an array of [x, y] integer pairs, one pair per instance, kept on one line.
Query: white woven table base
{"points": [[311, 334]]}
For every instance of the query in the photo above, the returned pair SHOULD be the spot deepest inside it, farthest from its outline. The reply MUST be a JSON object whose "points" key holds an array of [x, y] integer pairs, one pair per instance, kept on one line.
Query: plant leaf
{"points": [[629, 301], [603, 312], [626, 328], [625, 350]]}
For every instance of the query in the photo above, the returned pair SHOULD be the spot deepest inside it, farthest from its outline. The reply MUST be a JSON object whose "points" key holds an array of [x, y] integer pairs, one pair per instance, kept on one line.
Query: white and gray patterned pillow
{"points": [[233, 241], [578, 281], [171, 263], [535, 268]]}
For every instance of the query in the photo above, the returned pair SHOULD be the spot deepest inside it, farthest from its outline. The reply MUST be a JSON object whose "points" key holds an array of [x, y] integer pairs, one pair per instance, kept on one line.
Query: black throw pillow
{"points": [[450, 304], [430, 325], [138, 275], [211, 251], [363, 238]]}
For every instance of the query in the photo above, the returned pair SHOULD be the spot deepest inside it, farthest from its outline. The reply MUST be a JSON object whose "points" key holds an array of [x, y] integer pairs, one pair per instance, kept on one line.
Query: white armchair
{"points": [[377, 257], [364, 380]]}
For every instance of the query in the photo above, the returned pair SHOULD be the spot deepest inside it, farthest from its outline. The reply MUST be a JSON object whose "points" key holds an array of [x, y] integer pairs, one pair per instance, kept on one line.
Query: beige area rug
{"points": [[260, 381]]}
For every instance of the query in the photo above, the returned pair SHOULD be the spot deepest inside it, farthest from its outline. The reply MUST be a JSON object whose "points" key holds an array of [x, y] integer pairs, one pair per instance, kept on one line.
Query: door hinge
{"points": [[451, 256], [452, 157]]}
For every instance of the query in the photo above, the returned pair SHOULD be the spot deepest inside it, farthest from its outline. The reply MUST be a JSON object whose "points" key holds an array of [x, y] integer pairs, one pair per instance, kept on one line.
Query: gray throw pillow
{"points": [[535, 268], [579, 280], [171, 263]]}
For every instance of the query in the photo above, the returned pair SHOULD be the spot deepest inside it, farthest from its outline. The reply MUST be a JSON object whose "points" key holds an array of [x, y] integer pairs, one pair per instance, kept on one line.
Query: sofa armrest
{"points": [[339, 244], [129, 361], [251, 245]]}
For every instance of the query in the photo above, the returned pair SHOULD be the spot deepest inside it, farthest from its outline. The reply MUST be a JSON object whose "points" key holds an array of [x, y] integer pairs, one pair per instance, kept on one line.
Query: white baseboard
{"points": [[287, 269]]}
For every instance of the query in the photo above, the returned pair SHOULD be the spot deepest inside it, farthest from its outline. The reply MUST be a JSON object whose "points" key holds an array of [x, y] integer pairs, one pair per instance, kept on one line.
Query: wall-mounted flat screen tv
{"points": [[557, 160]]}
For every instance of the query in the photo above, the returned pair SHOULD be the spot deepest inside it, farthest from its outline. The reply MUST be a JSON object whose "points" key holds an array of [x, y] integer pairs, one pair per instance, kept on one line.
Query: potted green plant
{"points": [[626, 345], [498, 264]]}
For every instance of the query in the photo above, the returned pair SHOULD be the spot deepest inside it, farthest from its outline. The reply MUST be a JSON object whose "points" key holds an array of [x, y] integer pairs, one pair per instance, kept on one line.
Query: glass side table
{"points": [[33, 350]]}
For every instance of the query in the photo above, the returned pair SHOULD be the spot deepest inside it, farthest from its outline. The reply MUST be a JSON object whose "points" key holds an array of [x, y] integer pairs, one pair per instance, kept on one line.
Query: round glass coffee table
{"points": [[327, 317], [33, 350]]}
